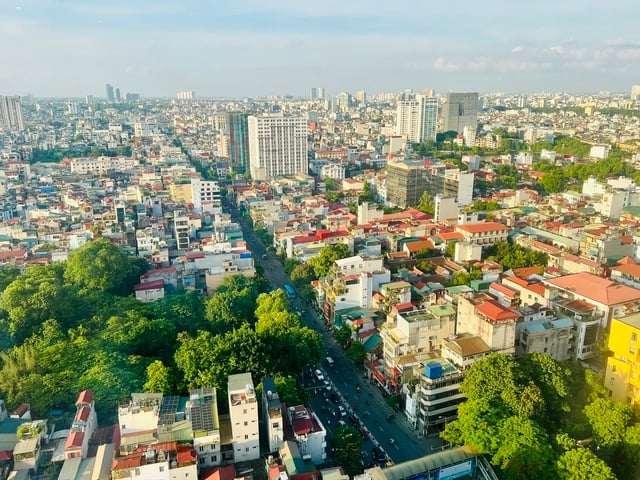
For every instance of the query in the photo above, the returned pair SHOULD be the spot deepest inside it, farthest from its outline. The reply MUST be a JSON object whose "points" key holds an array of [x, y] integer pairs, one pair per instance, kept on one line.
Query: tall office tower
{"points": [[118, 97], [635, 92], [314, 93], [11, 114], [243, 410], [110, 96], [361, 97], [343, 101], [88, 99], [278, 145], [461, 110], [238, 127], [417, 118], [320, 93]]}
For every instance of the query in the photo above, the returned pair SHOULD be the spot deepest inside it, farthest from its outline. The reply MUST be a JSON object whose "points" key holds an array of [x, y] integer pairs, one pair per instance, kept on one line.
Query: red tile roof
{"points": [[495, 312], [598, 289], [85, 397], [153, 285], [74, 441], [83, 414], [482, 227]]}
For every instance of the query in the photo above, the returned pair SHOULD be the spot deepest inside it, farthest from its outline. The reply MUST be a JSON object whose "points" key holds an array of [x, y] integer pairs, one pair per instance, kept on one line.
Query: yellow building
{"points": [[622, 378], [181, 192]]}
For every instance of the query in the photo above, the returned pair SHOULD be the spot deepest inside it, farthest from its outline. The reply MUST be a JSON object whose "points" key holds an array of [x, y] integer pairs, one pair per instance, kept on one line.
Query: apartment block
{"points": [[243, 411], [272, 414], [622, 377]]}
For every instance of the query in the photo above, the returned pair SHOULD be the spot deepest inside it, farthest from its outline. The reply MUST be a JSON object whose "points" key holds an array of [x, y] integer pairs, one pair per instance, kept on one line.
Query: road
{"points": [[365, 399]]}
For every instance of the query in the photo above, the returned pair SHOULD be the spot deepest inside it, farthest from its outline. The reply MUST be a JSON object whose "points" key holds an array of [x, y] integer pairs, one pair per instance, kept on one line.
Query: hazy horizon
{"points": [[248, 48]]}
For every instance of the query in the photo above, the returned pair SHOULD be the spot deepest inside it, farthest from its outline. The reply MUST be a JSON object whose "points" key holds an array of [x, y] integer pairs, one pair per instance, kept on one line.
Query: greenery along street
{"points": [[539, 419], [74, 325]]}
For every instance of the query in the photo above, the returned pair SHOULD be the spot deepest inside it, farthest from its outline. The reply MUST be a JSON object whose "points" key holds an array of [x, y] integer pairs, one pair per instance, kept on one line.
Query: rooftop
{"points": [[598, 289]]}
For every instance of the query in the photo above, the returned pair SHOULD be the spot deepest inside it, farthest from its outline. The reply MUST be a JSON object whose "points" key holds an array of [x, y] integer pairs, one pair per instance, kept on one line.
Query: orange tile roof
{"points": [[482, 227], [496, 312], [598, 289]]}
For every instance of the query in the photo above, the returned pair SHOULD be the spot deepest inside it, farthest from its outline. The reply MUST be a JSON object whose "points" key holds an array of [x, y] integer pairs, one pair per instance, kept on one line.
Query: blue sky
{"points": [[277, 47]]}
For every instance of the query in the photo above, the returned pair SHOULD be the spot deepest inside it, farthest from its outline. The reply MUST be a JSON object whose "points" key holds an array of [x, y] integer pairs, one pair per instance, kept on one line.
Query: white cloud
{"points": [[517, 49], [442, 65], [557, 49]]}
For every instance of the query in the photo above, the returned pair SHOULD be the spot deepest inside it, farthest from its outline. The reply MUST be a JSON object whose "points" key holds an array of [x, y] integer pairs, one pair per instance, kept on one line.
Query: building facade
{"points": [[460, 110], [11, 114], [238, 127], [243, 411], [417, 118], [278, 145]]}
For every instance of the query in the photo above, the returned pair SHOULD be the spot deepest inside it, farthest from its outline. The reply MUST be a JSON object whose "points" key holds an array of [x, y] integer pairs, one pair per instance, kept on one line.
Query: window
{"points": [[632, 350], [613, 369], [246, 437], [162, 468], [634, 337], [612, 381], [244, 411], [246, 423]]}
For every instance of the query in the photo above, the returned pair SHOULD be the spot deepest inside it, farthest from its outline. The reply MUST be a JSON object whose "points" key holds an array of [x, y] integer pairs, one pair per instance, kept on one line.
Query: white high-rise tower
{"points": [[417, 118], [11, 114], [278, 145]]}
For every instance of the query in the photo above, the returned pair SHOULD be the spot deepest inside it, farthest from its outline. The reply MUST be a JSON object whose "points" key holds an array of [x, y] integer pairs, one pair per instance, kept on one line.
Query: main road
{"points": [[357, 394]]}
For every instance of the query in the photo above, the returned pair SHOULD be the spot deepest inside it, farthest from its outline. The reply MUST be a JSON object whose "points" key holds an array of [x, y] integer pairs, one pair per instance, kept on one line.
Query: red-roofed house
{"points": [[305, 428], [84, 425], [591, 302], [484, 317], [161, 461], [483, 233], [150, 291]]}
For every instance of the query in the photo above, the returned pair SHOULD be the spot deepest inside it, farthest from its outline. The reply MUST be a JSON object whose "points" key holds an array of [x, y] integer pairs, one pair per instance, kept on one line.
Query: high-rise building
{"points": [[278, 145], [417, 118], [186, 95], [205, 195], [118, 97], [320, 93], [131, 97], [343, 101], [238, 127], [243, 410], [635, 92], [11, 114], [461, 110], [314, 93], [361, 97], [110, 96]]}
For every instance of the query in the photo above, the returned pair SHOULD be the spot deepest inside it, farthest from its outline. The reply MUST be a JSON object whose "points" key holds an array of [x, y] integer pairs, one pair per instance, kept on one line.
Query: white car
{"points": [[319, 375], [343, 412]]}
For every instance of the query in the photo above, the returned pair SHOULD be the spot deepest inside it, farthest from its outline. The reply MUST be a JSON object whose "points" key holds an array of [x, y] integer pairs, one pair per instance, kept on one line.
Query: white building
{"points": [[272, 414], [101, 165], [309, 433], [206, 196], [332, 170], [417, 118], [243, 410], [11, 114], [84, 424], [278, 145], [202, 412]]}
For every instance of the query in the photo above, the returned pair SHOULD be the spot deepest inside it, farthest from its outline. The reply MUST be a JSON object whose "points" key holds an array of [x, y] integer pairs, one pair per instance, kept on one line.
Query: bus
{"points": [[291, 293]]}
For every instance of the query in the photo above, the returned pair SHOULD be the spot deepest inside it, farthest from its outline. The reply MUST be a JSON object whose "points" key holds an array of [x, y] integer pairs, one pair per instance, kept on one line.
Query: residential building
{"points": [[483, 233], [433, 399], [162, 461], [202, 412], [551, 337], [243, 411], [405, 183], [272, 414], [181, 230], [459, 111], [591, 302], [277, 146], [84, 425], [417, 118], [206, 196], [622, 377], [11, 114], [238, 128], [308, 432], [481, 315], [110, 94]]}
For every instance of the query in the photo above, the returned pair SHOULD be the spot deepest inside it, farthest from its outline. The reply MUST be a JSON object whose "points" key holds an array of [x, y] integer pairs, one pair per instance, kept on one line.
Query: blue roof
{"points": [[563, 323]]}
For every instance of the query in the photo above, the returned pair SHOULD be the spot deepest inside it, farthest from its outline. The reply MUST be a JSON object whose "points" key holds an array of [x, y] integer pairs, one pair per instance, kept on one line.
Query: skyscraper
{"points": [[461, 110], [238, 127], [118, 97], [110, 96], [314, 93], [278, 145], [635, 92], [320, 93], [417, 118], [11, 114]]}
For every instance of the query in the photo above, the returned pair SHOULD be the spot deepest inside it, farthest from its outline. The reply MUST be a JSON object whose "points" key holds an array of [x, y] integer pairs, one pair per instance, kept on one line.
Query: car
{"points": [[390, 417], [319, 375], [341, 423], [343, 412], [327, 385]]}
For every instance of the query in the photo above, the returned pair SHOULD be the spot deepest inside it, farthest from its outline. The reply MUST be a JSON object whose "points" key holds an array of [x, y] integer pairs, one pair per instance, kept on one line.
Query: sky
{"points": [[252, 48]]}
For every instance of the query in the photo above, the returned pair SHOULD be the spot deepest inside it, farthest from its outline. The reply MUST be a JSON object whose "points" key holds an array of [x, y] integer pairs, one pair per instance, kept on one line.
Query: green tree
{"points": [[426, 203], [302, 274], [554, 181], [158, 378], [367, 195], [609, 420], [346, 443], [357, 353], [524, 451], [38, 295], [8, 273], [228, 310], [323, 263], [343, 335], [583, 464], [101, 266]]}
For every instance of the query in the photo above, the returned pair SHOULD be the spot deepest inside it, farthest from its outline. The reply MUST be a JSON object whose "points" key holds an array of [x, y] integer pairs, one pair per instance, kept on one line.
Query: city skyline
{"points": [[249, 48]]}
